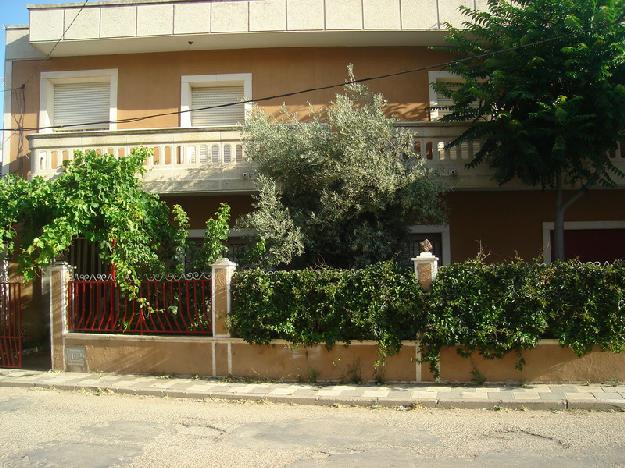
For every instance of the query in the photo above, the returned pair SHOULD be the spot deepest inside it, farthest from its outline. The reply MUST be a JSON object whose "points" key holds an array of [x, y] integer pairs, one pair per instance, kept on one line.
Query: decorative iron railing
{"points": [[179, 305], [10, 325]]}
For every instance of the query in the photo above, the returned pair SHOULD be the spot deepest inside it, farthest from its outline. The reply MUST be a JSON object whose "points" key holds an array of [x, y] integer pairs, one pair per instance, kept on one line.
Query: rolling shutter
{"points": [[81, 103], [214, 96], [442, 101]]}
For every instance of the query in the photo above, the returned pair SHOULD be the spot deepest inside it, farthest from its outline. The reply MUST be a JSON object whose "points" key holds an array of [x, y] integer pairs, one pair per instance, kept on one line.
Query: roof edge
{"points": [[96, 3]]}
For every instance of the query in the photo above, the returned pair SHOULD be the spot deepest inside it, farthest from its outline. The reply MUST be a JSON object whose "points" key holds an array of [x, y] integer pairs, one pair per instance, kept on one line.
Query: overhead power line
{"points": [[289, 94]]}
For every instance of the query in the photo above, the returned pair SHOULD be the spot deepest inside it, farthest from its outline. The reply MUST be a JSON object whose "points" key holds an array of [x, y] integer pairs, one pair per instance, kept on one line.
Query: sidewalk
{"points": [[533, 396]]}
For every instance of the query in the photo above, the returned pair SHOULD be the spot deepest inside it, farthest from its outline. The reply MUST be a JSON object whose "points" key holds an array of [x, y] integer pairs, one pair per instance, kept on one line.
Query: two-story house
{"points": [[141, 67]]}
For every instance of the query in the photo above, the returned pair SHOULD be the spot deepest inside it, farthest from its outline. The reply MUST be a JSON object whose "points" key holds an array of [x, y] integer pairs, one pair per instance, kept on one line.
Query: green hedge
{"points": [[491, 309], [325, 306]]}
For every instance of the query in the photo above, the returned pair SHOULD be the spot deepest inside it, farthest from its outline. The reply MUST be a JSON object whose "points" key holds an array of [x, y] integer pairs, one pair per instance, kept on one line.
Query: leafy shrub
{"points": [[491, 309], [585, 305], [308, 307], [487, 308]]}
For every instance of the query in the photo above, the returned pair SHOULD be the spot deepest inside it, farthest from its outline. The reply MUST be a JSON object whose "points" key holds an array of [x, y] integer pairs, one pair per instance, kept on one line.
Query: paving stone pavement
{"points": [[532, 396]]}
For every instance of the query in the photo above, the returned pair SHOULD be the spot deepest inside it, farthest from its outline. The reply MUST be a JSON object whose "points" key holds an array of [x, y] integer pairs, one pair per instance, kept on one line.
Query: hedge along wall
{"points": [[491, 309]]}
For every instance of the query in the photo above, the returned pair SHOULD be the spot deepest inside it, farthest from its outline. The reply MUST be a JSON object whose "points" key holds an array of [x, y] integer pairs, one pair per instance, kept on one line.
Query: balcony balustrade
{"points": [[203, 160], [184, 159]]}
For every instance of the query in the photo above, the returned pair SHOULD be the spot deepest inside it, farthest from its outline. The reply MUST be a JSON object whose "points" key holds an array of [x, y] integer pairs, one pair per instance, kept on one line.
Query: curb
{"points": [[455, 403]]}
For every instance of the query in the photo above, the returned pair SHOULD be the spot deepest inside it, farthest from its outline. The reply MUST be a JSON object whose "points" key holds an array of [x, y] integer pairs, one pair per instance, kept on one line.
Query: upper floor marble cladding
{"points": [[153, 18]]}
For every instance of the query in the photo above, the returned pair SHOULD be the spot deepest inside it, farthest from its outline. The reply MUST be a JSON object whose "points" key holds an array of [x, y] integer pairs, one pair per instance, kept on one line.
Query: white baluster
{"points": [[190, 155], [442, 152], [42, 160], [203, 154], [161, 158], [239, 153], [464, 150], [227, 153], [215, 154]]}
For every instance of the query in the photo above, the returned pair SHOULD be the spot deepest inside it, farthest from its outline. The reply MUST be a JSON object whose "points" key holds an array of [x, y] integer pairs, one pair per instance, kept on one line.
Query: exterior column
{"points": [[426, 266], [59, 275], [222, 272]]}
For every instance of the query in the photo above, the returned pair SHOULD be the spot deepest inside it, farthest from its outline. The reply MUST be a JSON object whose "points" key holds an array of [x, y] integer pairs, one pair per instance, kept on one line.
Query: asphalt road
{"points": [[74, 429]]}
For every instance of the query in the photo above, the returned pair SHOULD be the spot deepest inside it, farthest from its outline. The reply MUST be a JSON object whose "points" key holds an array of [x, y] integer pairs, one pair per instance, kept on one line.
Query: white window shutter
{"points": [[213, 96], [444, 101], [78, 104]]}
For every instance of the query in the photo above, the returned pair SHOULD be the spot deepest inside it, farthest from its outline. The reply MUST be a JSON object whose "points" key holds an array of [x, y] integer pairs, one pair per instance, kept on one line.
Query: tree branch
{"points": [[575, 197], [582, 190]]}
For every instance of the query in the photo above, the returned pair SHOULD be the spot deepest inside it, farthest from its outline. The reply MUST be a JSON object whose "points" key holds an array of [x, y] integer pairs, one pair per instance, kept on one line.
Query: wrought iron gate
{"points": [[11, 334]]}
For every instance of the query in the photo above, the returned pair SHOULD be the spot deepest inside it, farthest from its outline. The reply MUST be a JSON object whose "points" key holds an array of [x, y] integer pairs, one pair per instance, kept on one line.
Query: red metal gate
{"points": [[10, 325]]}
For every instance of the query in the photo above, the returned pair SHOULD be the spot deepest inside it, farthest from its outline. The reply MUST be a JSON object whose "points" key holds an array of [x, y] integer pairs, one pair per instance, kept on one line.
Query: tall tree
{"points": [[340, 187], [544, 89]]}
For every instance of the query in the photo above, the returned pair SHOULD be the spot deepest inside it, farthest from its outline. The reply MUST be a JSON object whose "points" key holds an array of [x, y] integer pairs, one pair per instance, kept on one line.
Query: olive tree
{"points": [[338, 187]]}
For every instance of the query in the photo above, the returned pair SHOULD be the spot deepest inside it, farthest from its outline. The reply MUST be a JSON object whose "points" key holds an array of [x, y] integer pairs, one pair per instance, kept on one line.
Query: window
{"points": [[237, 243], [437, 234], [202, 97], [439, 105], [77, 99], [76, 104], [200, 91]]}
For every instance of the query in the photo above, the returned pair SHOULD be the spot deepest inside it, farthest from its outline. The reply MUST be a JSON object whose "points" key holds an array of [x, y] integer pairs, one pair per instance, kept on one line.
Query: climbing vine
{"points": [[99, 198]]}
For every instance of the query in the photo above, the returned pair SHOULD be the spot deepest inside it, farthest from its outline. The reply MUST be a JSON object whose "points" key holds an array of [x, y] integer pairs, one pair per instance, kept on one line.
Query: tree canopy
{"points": [[340, 187], [543, 88]]}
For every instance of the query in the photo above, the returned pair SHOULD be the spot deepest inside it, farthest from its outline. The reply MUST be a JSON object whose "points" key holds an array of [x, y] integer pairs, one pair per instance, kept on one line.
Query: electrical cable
{"points": [[289, 94]]}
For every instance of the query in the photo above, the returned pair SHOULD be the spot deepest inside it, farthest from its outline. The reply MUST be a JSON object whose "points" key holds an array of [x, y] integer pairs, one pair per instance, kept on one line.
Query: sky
{"points": [[14, 12]]}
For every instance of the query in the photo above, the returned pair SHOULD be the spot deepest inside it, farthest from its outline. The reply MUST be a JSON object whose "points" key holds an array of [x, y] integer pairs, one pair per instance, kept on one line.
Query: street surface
{"points": [[82, 429]]}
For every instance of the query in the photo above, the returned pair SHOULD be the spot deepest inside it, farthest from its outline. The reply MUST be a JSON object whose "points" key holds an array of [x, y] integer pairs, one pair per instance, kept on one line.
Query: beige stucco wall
{"points": [[147, 357], [151, 83], [545, 363], [505, 224], [509, 223], [342, 363], [233, 357]]}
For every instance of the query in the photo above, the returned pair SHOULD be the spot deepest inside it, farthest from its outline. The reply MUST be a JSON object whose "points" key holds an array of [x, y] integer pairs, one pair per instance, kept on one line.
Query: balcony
{"points": [[139, 26], [432, 139], [210, 160], [184, 160]]}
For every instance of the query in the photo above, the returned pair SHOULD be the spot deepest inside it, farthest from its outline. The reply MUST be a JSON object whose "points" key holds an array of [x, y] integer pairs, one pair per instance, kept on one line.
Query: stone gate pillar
{"points": [[222, 272], [59, 275], [426, 266]]}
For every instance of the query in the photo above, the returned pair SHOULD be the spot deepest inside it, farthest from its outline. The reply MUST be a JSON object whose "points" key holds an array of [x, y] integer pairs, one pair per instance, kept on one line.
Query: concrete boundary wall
{"points": [[224, 356], [345, 363]]}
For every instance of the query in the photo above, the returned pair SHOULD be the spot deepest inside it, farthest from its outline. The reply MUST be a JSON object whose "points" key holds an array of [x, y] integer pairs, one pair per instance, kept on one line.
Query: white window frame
{"points": [[433, 76], [573, 226], [205, 81], [443, 230], [46, 92]]}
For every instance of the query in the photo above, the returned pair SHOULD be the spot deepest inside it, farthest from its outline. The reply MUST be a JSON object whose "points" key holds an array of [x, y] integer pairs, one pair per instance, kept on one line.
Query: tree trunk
{"points": [[558, 227], [559, 248]]}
